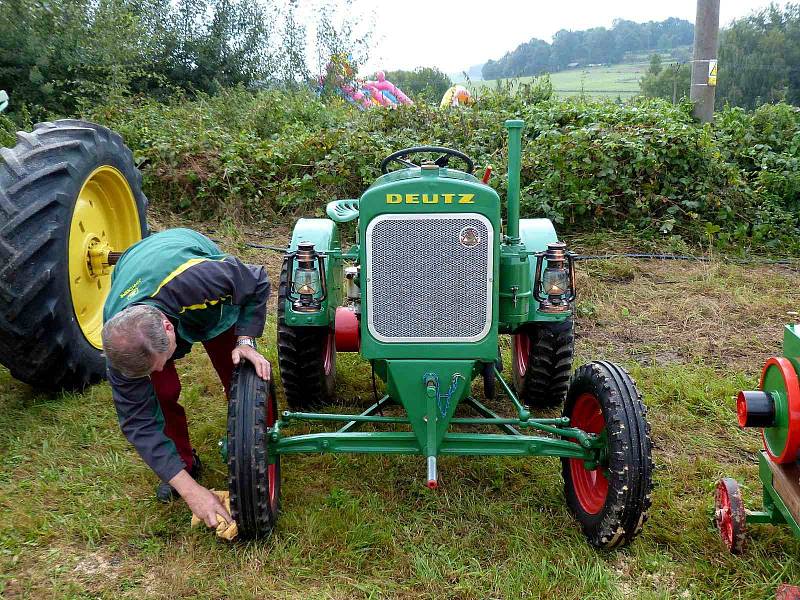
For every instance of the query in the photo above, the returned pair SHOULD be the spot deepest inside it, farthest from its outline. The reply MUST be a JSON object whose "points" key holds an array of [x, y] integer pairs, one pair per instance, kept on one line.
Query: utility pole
{"points": [[704, 60], [675, 68]]}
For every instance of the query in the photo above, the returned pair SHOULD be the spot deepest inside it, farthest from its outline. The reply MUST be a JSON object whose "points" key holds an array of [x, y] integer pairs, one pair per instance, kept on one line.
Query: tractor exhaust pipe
{"points": [[514, 127]]}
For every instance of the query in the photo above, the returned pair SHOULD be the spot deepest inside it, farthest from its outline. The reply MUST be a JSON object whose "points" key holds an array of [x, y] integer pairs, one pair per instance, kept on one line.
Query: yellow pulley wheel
{"points": [[104, 219]]}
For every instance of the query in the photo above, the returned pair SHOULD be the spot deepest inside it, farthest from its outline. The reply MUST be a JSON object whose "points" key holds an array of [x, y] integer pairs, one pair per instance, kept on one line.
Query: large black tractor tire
{"points": [[42, 341], [254, 483], [611, 501], [541, 363], [307, 359]]}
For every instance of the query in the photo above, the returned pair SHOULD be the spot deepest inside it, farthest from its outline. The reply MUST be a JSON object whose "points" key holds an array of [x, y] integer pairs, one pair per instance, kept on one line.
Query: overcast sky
{"points": [[455, 35]]}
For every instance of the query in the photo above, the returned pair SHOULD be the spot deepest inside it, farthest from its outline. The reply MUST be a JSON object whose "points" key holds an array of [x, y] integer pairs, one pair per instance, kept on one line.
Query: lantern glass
{"points": [[306, 281], [555, 281]]}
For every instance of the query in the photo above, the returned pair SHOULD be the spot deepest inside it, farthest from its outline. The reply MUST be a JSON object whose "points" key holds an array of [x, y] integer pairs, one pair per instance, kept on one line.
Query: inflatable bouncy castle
{"points": [[457, 95], [360, 93]]}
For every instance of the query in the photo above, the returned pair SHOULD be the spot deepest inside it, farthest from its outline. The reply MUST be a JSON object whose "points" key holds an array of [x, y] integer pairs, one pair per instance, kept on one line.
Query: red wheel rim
{"points": [[522, 350], [272, 468], [330, 348], [741, 409], [790, 380], [591, 487], [723, 514]]}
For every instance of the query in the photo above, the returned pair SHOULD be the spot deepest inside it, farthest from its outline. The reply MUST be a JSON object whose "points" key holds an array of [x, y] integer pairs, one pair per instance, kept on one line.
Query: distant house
{"points": [[572, 65]]}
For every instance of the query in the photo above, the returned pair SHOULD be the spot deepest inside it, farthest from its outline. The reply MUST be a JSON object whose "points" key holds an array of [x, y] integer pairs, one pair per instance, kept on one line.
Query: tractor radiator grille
{"points": [[429, 277]]}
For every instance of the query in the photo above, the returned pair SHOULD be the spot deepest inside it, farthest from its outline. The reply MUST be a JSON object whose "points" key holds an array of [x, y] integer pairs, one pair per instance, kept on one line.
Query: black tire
{"points": [[489, 381], [41, 342], [303, 353], [613, 517], [254, 484], [541, 378]]}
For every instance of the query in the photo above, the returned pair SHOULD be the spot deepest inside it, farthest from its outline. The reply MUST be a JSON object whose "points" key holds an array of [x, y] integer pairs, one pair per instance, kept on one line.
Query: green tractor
{"points": [[424, 295], [70, 203]]}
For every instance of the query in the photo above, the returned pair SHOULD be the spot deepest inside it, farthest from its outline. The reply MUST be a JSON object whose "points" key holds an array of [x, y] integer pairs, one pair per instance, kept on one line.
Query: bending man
{"points": [[168, 291]]}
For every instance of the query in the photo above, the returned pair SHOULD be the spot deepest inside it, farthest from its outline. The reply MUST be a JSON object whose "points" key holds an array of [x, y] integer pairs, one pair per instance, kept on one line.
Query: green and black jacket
{"points": [[204, 292]]}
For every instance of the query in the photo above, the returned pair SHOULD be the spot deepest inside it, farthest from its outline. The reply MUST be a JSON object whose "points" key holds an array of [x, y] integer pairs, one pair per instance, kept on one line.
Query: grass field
{"points": [[80, 521], [612, 81], [618, 80]]}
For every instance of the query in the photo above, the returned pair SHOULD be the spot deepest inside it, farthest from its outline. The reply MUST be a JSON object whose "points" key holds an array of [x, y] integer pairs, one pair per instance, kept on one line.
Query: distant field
{"points": [[613, 80]]}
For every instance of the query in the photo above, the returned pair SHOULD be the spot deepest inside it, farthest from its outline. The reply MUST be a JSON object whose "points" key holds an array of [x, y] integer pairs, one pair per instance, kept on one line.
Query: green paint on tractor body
{"points": [[430, 376], [775, 508]]}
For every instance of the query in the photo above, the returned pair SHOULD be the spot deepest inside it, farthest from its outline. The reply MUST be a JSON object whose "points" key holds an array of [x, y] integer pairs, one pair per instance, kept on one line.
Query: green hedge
{"points": [[645, 165]]}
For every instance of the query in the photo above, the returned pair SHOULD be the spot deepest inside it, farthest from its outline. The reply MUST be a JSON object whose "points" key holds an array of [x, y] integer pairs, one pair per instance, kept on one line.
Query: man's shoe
{"points": [[197, 466], [166, 493]]}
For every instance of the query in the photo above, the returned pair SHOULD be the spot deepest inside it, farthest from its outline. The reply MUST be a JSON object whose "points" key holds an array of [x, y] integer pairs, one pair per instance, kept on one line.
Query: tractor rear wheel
{"points": [[609, 499], [541, 363], [307, 359], [66, 189], [254, 483]]}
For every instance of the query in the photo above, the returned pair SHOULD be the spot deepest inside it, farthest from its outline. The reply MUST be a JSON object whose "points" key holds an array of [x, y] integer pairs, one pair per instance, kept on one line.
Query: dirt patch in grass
{"points": [[664, 312]]}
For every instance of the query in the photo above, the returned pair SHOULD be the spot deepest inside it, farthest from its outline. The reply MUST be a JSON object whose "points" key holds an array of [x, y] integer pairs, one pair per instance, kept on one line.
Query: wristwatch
{"points": [[248, 341]]}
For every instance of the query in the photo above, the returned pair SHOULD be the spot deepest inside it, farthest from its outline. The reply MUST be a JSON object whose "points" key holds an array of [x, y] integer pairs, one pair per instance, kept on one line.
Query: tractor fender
{"points": [[536, 234], [324, 234]]}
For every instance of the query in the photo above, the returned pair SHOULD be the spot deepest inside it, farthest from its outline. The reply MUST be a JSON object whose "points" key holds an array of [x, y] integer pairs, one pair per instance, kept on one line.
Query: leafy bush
{"points": [[644, 165]]}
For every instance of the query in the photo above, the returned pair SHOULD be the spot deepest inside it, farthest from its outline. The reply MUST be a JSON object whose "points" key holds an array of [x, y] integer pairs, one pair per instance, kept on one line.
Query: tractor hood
{"points": [[429, 251], [429, 190]]}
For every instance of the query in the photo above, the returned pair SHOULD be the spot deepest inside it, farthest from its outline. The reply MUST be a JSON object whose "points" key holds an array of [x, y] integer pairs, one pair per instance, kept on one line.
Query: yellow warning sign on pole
{"points": [[712, 72]]}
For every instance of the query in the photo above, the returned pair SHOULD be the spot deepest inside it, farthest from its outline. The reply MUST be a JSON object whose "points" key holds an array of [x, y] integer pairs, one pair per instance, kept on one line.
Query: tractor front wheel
{"points": [[254, 483], [541, 363], [610, 499], [307, 359]]}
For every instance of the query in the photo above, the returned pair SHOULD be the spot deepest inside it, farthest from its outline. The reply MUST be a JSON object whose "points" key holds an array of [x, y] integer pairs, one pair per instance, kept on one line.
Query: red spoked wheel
{"points": [[274, 468], [253, 481], [329, 353], [521, 354], [591, 486], [611, 497], [729, 514]]}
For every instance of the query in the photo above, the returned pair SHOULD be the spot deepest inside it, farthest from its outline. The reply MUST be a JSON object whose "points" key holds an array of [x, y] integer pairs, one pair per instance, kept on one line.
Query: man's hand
{"points": [[249, 353], [201, 502]]}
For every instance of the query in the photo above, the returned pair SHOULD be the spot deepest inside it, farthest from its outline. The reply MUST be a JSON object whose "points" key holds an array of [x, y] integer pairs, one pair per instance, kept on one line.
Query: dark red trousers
{"points": [[167, 385]]}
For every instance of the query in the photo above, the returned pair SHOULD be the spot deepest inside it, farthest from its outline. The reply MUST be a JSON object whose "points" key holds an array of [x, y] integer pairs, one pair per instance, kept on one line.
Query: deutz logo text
{"points": [[430, 198]]}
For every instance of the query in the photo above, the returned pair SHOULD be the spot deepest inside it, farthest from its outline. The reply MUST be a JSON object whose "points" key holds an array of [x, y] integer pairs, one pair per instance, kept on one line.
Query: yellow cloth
{"points": [[225, 530]]}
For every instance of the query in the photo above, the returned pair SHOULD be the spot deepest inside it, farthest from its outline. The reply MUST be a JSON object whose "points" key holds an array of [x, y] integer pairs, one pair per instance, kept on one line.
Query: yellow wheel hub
{"points": [[105, 219]]}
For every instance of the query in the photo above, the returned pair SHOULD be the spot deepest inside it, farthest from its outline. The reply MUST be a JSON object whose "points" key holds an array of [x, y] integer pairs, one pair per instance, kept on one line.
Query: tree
{"points": [[758, 58], [670, 82], [596, 45], [423, 83]]}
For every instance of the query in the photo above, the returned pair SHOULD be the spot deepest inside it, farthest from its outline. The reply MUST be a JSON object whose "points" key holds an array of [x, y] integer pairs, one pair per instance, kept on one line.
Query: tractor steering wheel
{"points": [[442, 161]]}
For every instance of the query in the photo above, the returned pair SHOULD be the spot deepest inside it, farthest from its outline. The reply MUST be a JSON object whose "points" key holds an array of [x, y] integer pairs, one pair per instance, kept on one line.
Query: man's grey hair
{"points": [[133, 337]]}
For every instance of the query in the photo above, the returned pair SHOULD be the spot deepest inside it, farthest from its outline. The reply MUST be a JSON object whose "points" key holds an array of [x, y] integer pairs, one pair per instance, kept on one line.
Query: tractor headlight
{"points": [[307, 287], [554, 287]]}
